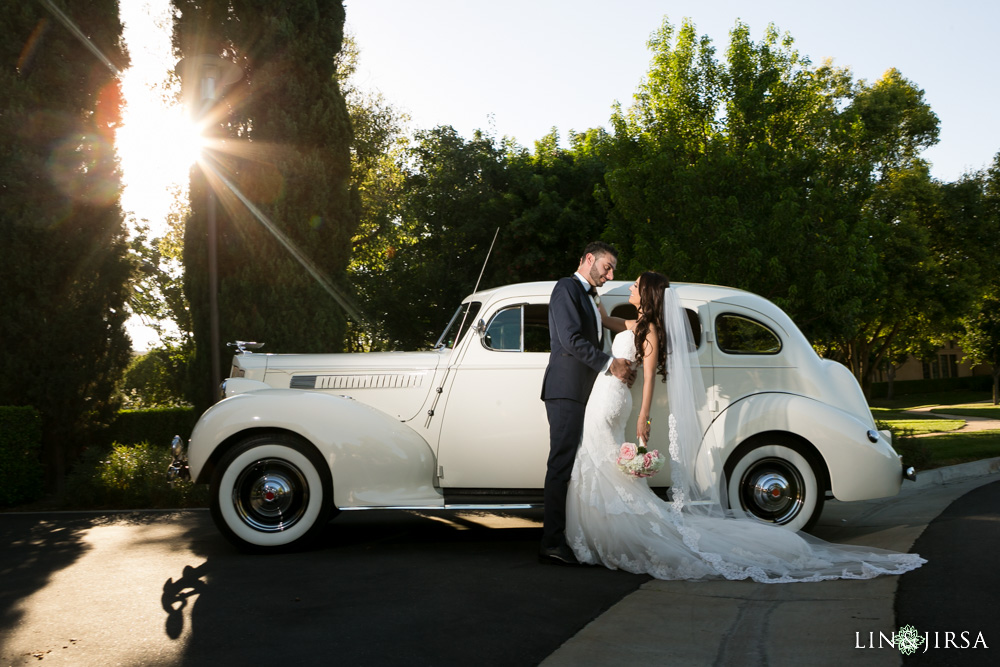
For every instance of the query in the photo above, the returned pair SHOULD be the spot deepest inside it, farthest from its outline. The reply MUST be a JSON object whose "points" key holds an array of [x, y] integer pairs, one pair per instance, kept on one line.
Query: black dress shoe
{"points": [[561, 555]]}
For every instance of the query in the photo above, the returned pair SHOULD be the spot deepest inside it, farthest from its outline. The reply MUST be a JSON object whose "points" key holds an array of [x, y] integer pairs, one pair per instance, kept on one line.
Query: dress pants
{"points": [[565, 431]]}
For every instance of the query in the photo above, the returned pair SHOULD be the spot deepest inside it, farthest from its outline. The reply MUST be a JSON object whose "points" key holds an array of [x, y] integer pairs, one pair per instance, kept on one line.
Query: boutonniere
{"points": [[597, 300]]}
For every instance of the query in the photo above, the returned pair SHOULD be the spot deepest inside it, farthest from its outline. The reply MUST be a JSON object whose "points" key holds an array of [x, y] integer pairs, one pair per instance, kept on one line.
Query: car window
{"points": [[627, 311], [536, 328], [462, 319], [504, 332], [737, 334]]}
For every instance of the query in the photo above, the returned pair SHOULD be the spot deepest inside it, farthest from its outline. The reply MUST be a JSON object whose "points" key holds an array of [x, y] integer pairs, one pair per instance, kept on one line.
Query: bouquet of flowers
{"points": [[637, 461]]}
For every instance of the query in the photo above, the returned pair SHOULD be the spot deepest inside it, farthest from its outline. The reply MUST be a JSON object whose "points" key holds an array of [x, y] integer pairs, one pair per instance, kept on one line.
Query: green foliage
{"points": [[129, 477], [20, 460], [905, 388], [156, 425], [733, 173], [456, 195], [290, 133], [768, 173], [156, 378], [64, 268]]}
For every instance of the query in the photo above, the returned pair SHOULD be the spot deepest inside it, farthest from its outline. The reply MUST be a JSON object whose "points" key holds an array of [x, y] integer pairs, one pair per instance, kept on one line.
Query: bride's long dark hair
{"points": [[651, 286]]}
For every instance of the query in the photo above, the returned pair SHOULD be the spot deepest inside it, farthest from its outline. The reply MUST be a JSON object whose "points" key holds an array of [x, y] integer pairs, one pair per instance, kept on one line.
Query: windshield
{"points": [[463, 318]]}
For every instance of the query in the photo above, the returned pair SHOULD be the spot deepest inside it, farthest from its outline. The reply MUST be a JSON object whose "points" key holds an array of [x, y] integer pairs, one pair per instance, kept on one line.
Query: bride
{"points": [[615, 520]]}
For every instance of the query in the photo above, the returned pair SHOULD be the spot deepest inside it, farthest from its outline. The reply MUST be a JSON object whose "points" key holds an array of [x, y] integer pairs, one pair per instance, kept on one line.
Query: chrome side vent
{"points": [[370, 381], [303, 382]]}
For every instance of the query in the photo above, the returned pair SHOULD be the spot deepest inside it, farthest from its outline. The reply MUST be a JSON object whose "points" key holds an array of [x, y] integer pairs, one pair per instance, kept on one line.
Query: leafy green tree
{"points": [[457, 196], [64, 266], [735, 173], [765, 172], [378, 160], [286, 149], [981, 340]]}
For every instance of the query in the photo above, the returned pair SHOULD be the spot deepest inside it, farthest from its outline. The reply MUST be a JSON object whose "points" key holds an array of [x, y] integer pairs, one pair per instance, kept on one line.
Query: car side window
{"points": [[737, 334], [627, 311], [504, 332]]}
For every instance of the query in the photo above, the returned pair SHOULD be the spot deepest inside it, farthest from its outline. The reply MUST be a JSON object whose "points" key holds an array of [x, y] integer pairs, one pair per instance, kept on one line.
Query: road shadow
{"points": [[385, 588], [35, 547]]}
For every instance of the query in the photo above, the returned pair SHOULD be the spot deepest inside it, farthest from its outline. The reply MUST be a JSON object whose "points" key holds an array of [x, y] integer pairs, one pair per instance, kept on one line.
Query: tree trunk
{"points": [[996, 385]]}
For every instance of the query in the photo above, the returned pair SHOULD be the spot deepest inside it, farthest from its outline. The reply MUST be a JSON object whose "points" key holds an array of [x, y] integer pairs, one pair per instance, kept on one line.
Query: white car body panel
{"points": [[423, 423]]}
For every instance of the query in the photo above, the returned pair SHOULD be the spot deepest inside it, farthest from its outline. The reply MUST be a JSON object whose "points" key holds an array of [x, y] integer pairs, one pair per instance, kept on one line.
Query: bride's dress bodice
{"points": [[610, 403], [617, 521]]}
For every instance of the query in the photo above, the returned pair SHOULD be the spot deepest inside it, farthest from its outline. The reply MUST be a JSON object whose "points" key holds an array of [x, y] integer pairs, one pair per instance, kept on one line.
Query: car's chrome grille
{"points": [[366, 381]]}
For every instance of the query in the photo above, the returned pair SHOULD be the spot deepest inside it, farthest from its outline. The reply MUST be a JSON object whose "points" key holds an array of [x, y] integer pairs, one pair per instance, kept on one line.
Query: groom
{"points": [[574, 363]]}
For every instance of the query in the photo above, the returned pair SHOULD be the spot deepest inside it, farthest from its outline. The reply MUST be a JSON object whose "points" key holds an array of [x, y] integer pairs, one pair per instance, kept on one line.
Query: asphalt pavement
{"points": [[833, 623], [397, 588]]}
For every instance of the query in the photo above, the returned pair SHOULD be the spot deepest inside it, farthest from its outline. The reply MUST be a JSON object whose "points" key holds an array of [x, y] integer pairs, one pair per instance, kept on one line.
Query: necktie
{"points": [[592, 292]]}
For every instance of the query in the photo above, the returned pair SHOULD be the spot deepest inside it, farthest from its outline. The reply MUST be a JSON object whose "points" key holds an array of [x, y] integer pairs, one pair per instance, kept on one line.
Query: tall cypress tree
{"points": [[287, 151], [64, 269]]}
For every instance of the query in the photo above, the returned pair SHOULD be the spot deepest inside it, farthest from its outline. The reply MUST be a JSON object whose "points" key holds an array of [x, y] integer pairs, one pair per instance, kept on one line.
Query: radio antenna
{"points": [[461, 327]]}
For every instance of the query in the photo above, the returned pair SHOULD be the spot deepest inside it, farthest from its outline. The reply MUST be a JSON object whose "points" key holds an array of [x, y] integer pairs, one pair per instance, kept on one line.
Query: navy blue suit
{"points": [[574, 362]]}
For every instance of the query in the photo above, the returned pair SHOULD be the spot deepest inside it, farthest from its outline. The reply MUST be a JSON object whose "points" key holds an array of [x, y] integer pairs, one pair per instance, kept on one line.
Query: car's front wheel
{"points": [[775, 483], [271, 492]]}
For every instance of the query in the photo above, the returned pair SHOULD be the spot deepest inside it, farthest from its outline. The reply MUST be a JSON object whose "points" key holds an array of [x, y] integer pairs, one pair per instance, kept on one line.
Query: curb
{"points": [[957, 473]]}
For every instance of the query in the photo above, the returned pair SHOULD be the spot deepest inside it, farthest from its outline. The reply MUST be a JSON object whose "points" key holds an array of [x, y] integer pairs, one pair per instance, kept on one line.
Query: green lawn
{"points": [[952, 448], [943, 448], [988, 411]]}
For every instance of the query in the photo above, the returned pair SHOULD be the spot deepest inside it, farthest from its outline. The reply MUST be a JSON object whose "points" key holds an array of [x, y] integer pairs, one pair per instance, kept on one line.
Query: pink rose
{"points": [[628, 451], [649, 459]]}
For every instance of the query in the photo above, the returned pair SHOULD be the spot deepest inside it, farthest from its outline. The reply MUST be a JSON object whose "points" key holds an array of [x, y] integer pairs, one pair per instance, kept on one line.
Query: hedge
{"points": [[156, 426], [905, 387], [21, 469]]}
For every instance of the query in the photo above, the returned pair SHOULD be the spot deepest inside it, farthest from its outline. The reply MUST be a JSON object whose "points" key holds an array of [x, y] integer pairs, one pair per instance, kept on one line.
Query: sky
{"points": [[518, 68]]}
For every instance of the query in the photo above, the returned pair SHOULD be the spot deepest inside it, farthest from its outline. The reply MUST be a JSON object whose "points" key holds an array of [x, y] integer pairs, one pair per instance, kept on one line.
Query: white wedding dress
{"points": [[616, 520]]}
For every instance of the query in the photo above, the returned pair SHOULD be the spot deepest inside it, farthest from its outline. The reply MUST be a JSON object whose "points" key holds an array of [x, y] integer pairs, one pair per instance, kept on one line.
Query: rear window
{"points": [[737, 334]]}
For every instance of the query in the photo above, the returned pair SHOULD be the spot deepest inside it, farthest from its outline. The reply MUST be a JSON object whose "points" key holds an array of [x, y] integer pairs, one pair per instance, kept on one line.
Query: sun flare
{"points": [[157, 142]]}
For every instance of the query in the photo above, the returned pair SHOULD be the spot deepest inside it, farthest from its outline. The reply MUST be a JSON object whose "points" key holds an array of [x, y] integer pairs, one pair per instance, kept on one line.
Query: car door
{"points": [[494, 432], [749, 354]]}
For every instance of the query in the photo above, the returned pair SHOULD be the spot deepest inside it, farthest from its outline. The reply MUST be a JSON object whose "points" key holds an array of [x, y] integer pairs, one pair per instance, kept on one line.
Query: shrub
{"points": [[129, 477], [913, 450], [21, 474]]}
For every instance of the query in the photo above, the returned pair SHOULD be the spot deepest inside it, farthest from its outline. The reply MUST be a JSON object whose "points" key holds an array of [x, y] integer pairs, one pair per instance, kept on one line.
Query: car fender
{"points": [[375, 460], [857, 468]]}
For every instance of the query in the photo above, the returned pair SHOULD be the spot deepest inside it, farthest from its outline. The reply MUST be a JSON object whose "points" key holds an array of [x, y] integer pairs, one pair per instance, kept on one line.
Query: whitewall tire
{"points": [[270, 493], [777, 484]]}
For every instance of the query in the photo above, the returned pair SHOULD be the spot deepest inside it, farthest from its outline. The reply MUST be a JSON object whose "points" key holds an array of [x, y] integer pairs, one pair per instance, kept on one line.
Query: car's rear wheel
{"points": [[775, 483], [271, 492]]}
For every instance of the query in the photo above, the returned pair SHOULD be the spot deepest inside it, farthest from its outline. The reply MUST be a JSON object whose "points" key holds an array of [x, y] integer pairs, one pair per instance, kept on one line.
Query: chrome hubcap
{"points": [[270, 495], [772, 490]]}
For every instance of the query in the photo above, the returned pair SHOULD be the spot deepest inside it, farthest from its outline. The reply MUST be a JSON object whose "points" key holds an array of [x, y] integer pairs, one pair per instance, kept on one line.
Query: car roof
{"points": [[692, 291]]}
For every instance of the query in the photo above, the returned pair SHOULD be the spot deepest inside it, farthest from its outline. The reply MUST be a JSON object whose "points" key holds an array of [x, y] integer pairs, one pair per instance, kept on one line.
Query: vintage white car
{"points": [[299, 438]]}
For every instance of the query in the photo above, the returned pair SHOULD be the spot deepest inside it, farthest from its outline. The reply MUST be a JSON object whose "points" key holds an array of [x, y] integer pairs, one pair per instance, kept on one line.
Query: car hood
{"points": [[394, 382]]}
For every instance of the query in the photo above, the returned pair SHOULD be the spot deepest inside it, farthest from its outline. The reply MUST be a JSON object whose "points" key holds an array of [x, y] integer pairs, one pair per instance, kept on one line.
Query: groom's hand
{"points": [[622, 370]]}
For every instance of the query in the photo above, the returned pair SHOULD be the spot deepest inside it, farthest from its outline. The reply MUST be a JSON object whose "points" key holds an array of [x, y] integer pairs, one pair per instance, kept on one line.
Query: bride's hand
{"points": [[643, 428]]}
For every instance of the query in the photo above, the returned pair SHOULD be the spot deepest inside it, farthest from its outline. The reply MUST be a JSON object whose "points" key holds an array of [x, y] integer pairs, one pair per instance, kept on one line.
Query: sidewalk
{"points": [[745, 623], [971, 423]]}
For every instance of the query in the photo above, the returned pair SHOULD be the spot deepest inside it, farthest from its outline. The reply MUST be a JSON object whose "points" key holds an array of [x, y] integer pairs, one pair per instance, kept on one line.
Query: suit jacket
{"points": [[576, 357]]}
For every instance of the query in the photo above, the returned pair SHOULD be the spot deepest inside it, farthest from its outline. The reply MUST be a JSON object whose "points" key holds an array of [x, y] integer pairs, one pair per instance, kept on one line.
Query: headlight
{"points": [[177, 448]]}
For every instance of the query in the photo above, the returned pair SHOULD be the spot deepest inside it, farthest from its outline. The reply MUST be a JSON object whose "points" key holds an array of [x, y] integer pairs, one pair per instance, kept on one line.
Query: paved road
{"points": [[383, 589], [407, 589]]}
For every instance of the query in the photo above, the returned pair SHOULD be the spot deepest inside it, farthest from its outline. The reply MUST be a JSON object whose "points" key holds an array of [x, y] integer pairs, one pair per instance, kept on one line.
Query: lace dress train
{"points": [[616, 520]]}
